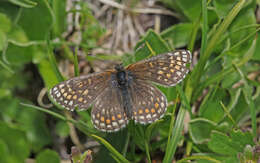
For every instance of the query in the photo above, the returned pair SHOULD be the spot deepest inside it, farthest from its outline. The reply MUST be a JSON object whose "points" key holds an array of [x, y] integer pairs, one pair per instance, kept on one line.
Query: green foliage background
{"points": [[225, 32]]}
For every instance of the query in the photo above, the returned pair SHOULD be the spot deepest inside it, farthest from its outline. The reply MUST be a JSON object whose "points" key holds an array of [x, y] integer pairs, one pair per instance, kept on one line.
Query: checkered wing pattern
{"points": [[107, 113], [80, 92], [149, 103], [166, 69]]}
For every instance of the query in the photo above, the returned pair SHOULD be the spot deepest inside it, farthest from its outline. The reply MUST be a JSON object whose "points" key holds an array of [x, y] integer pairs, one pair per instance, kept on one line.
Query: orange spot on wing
{"points": [[108, 121], [119, 116], [153, 110], [113, 118], [146, 110]]}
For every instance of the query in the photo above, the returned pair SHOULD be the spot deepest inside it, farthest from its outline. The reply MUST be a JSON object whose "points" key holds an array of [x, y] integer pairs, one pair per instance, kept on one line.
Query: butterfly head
{"points": [[119, 67]]}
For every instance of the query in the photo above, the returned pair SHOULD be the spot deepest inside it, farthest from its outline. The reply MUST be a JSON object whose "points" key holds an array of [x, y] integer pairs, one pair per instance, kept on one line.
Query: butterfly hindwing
{"points": [[108, 113], [149, 103]]}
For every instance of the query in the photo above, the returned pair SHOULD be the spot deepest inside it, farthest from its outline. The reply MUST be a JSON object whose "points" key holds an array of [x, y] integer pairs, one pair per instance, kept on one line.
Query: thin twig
{"points": [[157, 23], [139, 10], [40, 99], [138, 26], [73, 134]]}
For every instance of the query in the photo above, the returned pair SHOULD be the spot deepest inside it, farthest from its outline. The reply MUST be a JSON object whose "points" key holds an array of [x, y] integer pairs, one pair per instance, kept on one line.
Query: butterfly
{"points": [[124, 93]]}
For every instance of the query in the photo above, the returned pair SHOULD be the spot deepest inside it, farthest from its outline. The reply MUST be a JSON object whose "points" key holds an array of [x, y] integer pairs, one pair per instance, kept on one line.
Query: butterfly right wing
{"points": [[166, 69], [80, 92]]}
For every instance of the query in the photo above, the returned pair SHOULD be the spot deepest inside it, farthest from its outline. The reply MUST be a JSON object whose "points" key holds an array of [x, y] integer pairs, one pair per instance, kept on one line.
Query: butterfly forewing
{"points": [[80, 92], [149, 103], [166, 69], [107, 113]]}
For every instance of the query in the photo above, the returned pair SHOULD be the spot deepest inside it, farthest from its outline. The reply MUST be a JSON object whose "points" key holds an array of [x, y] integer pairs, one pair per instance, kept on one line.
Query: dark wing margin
{"points": [[79, 92], [167, 69]]}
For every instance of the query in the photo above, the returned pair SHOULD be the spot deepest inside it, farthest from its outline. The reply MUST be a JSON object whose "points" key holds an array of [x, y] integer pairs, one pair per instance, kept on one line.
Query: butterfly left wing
{"points": [[80, 92], [108, 112], [166, 69]]}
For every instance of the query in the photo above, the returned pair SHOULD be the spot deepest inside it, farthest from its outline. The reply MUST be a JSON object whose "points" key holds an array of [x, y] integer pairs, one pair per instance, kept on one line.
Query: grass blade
{"points": [[111, 148]]}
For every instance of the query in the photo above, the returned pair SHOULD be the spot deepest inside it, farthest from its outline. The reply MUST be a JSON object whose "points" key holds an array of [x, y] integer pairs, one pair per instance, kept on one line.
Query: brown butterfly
{"points": [[124, 94]]}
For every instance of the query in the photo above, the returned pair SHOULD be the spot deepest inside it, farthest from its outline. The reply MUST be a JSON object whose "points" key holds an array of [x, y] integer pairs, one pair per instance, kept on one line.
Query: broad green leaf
{"points": [[222, 144], [245, 18], [191, 10], [5, 25], [36, 21], [62, 129], [16, 142], [151, 44], [59, 10], [49, 156], [4, 151], [37, 133], [47, 74], [178, 35], [223, 7], [200, 129], [211, 108], [240, 109], [230, 146]]}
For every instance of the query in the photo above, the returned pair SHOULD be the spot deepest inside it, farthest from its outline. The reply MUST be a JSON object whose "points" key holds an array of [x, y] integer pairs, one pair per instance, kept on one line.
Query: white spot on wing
{"points": [[71, 103], [148, 116], [55, 89], [121, 121], [58, 94], [114, 124]]}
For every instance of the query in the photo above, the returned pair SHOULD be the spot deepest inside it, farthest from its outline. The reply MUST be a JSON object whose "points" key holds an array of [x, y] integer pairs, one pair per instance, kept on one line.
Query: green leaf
{"points": [[62, 129], [230, 145], [4, 151], [151, 44], [223, 7], [111, 149], [178, 35], [49, 77], [36, 21], [30, 121], [24, 3], [191, 10], [245, 18], [200, 129], [49, 156], [211, 108], [175, 136], [59, 10], [256, 55], [221, 143], [16, 142], [6, 24], [36, 129]]}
